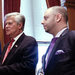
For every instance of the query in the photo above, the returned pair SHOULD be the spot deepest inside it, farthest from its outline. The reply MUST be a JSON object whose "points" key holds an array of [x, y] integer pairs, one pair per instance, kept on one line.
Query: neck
{"points": [[15, 35]]}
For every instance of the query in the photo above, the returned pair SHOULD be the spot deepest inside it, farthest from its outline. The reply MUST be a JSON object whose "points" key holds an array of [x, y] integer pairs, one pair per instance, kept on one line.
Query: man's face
{"points": [[12, 28], [48, 21]]}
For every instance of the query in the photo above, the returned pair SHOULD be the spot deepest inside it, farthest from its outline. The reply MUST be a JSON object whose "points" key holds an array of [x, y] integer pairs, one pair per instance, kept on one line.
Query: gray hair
{"points": [[17, 16]]}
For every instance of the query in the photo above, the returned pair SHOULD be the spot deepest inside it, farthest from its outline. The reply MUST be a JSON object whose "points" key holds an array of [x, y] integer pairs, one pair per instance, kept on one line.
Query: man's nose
{"points": [[42, 22], [6, 25]]}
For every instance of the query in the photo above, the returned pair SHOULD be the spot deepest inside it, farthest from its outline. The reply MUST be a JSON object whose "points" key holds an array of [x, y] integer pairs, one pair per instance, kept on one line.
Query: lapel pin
{"points": [[16, 45]]}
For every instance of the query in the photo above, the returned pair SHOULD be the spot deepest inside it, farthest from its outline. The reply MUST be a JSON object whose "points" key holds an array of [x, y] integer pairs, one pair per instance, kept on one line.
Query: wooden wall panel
{"points": [[51, 3], [70, 4], [1, 28]]}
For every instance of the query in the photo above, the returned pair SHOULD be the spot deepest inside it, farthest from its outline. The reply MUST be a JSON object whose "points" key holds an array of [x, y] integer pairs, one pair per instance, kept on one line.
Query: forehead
{"points": [[48, 12], [10, 18]]}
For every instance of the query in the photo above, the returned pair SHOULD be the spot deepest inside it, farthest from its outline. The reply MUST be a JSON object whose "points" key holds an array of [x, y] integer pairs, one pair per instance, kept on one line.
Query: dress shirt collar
{"points": [[60, 32], [16, 38]]}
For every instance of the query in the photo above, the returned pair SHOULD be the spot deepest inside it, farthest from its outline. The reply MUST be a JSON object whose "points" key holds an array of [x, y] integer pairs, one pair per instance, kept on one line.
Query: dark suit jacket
{"points": [[62, 58], [22, 58]]}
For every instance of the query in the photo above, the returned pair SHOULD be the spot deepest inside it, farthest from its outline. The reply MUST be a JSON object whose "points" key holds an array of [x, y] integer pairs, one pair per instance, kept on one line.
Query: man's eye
{"points": [[46, 18], [9, 23]]}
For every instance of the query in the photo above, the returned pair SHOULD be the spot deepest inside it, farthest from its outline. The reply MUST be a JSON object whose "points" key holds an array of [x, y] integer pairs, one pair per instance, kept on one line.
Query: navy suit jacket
{"points": [[62, 58], [22, 58]]}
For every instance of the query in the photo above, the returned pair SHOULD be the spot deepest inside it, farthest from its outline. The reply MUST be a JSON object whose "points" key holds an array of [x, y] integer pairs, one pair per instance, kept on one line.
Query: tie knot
{"points": [[12, 40], [54, 39]]}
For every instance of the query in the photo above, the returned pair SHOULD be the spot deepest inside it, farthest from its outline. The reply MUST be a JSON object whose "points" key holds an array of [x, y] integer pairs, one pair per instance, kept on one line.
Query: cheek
{"points": [[13, 29], [49, 21]]}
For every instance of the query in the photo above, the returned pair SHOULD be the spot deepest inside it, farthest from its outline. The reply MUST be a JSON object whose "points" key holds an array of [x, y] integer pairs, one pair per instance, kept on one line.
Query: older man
{"points": [[20, 56]]}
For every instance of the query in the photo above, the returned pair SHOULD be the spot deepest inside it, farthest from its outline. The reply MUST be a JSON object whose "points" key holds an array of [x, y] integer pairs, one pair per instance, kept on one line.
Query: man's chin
{"points": [[46, 31], [7, 34]]}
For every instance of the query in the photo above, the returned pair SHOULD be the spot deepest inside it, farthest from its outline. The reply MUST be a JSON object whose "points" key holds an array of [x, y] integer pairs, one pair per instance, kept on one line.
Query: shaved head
{"points": [[59, 9]]}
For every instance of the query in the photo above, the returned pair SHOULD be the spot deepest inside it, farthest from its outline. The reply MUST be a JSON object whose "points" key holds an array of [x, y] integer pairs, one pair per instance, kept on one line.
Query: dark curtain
{"points": [[51, 3], [10, 6]]}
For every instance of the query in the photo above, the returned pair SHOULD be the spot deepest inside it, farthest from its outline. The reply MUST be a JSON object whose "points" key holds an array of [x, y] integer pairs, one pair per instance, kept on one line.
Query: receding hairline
{"points": [[58, 9]]}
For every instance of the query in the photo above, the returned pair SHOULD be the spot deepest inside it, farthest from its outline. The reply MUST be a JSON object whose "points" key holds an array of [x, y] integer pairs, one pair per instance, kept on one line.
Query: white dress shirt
{"points": [[16, 38]]}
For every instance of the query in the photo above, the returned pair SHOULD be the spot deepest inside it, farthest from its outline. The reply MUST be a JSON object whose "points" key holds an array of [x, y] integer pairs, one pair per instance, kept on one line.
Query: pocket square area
{"points": [[59, 52]]}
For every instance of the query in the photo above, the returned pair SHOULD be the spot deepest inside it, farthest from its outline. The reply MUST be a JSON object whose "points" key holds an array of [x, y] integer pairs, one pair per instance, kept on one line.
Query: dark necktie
{"points": [[50, 50], [8, 50]]}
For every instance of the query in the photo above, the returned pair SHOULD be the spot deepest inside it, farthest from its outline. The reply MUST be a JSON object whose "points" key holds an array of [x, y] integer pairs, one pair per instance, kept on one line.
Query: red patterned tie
{"points": [[8, 50]]}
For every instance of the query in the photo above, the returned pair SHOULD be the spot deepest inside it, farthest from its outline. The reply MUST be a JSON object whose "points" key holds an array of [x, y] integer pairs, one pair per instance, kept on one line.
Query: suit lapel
{"points": [[15, 48], [53, 50], [56, 44]]}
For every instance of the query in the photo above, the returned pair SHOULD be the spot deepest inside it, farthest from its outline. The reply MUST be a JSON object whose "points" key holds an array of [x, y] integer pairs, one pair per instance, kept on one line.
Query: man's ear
{"points": [[58, 17], [20, 25]]}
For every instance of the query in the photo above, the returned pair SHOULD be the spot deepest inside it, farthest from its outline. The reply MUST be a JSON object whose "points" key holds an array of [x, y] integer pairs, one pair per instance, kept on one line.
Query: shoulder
{"points": [[72, 34], [29, 39], [71, 37]]}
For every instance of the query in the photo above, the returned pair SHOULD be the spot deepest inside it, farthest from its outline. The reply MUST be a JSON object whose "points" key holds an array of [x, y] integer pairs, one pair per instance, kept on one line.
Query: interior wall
{"points": [[34, 11]]}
